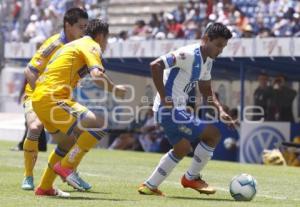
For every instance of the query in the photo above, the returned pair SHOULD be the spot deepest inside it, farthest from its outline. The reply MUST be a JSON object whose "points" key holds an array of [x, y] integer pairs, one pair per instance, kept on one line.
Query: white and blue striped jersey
{"points": [[184, 68]]}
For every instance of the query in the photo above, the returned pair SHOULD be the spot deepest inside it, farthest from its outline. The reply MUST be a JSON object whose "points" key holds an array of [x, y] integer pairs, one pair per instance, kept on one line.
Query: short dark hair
{"points": [[216, 30], [97, 26], [73, 15]]}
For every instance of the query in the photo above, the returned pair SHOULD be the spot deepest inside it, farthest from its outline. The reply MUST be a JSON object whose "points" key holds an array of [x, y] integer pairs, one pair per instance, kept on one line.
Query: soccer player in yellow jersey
{"points": [[53, 103], [75, 22]]}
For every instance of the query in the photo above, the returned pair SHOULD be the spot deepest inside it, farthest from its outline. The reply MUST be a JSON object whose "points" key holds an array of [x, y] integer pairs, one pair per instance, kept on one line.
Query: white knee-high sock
{"points": [[167, 163], [202, 155]]}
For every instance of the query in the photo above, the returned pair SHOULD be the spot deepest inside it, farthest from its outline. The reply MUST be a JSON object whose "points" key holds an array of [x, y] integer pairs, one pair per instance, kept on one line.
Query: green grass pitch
{"points": [[115, 176]]}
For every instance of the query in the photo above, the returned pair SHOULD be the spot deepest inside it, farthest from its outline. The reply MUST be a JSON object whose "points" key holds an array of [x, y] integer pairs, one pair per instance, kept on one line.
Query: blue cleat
{"points": [[86, 186], [28, 183]]}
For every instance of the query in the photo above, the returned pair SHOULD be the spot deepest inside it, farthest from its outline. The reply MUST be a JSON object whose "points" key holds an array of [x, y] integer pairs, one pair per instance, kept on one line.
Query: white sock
{"points": [[167, 163], [202, 155]]}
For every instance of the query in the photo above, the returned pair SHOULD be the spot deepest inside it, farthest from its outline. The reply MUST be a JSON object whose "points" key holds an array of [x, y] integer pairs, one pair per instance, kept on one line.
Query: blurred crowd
{"points": [[245, 18], [35, 20]]}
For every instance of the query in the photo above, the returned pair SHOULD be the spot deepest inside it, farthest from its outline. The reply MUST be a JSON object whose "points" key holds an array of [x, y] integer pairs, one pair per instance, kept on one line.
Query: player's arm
{"points": [[22, 91], [157, 71], [170, 60], [39, 61], [31, 76], [210, 98], [102, 80]]}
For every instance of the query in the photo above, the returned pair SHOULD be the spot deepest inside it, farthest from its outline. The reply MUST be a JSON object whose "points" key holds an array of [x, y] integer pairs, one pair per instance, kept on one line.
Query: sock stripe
{"points": [[98, 135], [32, 136], [191, 175], [170, 154], [80, 117], [197, 158], [60, 152], [207, 148], [150, 185]]}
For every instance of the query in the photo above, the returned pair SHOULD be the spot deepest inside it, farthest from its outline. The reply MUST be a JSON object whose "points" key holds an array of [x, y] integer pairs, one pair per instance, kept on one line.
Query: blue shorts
{"points": [[180, 124]]}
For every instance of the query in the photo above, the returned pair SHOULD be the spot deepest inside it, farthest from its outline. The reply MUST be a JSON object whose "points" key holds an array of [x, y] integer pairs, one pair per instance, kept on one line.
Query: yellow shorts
{"points": [[59, 116]]}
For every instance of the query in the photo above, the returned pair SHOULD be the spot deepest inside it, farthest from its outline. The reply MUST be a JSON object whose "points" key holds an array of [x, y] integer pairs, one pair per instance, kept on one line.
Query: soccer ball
{"points": [[243, 187]]}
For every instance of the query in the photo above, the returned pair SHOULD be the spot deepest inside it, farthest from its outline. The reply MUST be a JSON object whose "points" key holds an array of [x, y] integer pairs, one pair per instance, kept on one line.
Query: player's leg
{"points": [[64, 144], [90, 134], [181, 147], [30, 145], [45, 187], [202, 154], [55, 156], [165, 166]]}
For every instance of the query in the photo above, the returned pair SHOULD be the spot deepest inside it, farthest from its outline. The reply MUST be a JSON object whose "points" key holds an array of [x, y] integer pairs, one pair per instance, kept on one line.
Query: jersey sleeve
{"points": [[92, 57], [176, 58], [41, 58]]}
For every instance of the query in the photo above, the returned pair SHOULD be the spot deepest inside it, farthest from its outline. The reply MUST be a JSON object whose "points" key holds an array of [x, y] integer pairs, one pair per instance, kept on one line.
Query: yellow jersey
{"points": [[66, 67], [41, 58]]}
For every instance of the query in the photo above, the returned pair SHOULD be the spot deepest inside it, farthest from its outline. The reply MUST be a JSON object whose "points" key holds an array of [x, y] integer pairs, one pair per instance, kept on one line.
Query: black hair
{"points": [[97, 26], [73, 15], [217, 30]]}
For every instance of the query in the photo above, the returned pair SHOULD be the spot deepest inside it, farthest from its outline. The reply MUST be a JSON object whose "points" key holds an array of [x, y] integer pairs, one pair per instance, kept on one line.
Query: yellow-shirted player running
{"points": [[53, 103], [75, 22]]}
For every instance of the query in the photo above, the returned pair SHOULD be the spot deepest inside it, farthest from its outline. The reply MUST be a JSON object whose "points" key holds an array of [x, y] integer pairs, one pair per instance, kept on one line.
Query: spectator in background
{"points": [[248, 31], [175, 29], [179, 13], [296, 25], [140, 31], [31, 29], [123, 36], [282, 100], [16, 11], [262, 98]]}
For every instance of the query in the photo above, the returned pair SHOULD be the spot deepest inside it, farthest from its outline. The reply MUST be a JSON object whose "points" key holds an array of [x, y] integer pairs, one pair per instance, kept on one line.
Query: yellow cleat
{"points": [[145, 190]]}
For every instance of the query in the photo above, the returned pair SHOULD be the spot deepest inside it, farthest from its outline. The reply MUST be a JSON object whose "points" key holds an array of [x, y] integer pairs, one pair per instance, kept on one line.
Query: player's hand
{"points": [[227, 119], [120, 91]]}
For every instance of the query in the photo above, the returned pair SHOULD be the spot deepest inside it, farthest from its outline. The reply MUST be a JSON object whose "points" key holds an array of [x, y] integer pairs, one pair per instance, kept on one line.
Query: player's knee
{"points": [[211, 136], [36, 127], [182, 149], [65, 146], [34, 131]]}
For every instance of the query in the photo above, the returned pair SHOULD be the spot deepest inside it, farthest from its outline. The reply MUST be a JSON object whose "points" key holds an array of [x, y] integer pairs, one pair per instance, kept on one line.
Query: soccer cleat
{"points": [[28, 183], [51, 192], [198, 184], [83, 184], [69, 176], [145, 190]]}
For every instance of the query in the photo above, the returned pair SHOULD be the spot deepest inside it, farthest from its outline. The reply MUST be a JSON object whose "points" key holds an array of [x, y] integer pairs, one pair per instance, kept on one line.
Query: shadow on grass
{"points": [[200, 198], [86, 192], [89, 198]]}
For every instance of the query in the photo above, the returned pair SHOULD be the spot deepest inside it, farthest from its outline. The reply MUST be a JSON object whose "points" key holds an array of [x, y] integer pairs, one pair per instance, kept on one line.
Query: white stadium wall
{"points": [[266, 47]]}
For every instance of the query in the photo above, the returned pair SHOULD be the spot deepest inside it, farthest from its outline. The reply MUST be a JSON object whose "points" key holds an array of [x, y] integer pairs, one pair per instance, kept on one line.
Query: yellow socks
{"points": [[30, 148], [84, 143], [49, 176]]}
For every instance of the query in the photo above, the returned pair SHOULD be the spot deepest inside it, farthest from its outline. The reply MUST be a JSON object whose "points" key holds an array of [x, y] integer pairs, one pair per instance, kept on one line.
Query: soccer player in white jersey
{"points": [[174, 75]]}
